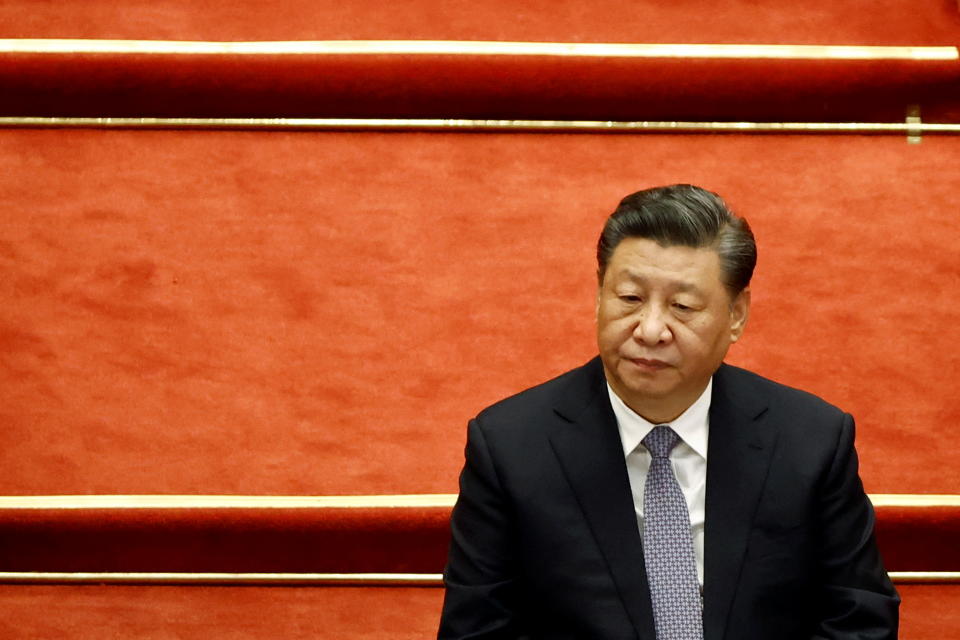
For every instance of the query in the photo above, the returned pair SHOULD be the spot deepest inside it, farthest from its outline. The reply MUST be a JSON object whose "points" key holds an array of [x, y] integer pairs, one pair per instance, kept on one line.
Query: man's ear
{"points": [[596, 305], [739, 313]]}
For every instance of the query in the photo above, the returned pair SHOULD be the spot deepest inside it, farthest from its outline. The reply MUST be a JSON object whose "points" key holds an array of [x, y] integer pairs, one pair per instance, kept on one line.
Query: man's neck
{"points": [[660, 411], [659, 415]]}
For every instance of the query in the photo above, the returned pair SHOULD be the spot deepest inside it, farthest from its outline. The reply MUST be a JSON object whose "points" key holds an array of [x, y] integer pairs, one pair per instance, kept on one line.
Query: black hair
{"points": [[684, 215]]}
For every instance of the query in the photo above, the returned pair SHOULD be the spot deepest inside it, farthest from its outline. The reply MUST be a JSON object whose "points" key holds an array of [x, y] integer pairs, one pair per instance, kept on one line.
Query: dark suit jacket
{"points": [[545, 540]]}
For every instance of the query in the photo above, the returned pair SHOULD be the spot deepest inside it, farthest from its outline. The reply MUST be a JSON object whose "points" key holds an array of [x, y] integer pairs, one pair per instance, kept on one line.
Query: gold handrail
{"points": [[322, 579], [473, 47], [453, 125], [427, 500]]}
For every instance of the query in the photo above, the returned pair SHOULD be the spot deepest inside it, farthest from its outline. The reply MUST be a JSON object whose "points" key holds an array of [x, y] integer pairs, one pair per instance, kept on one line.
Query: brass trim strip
{"points": [[426, 500], [929, 577], [323, 579], [914, 500], [225, 502], [439, 124], [494, 48], [914, 125]]}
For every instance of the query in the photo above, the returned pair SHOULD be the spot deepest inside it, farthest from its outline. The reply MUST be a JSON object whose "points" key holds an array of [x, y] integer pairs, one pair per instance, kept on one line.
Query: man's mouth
{"points": [[648, 364]]}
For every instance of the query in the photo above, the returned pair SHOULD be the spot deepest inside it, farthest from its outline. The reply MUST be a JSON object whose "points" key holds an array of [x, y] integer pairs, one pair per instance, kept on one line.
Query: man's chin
{"points": [[646, 387]]}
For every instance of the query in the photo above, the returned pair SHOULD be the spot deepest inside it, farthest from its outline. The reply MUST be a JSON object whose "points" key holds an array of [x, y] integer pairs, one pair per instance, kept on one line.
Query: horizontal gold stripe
{"points": [[330, 579], [424, 500], [938, 577], [438, 124], [460, 47], [224, 502], [914, 500], [343, 579]]}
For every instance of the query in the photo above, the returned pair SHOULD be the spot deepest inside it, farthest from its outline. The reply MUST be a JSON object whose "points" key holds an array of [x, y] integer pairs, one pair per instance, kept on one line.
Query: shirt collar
{"points": [[692, 425]]}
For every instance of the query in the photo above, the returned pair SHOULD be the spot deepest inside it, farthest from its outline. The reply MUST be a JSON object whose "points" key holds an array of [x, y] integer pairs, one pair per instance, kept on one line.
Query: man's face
{"points": [[664, 324]]}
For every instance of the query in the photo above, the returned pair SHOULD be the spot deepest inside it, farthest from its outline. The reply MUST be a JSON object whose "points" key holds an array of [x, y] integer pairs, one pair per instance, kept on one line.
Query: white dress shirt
{"points": [[688, 458]]}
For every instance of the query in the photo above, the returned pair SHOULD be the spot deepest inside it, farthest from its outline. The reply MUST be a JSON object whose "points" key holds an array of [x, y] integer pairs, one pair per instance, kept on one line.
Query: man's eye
{"points": [[682, 307], [630, 299]]}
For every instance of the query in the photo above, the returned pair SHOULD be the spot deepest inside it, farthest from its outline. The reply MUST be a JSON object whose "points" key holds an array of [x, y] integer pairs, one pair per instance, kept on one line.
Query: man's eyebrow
{"points": [[678, 285]]}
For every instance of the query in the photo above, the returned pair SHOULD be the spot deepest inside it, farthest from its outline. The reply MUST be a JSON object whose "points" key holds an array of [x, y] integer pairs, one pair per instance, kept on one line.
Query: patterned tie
{"points": [[668, 546]]}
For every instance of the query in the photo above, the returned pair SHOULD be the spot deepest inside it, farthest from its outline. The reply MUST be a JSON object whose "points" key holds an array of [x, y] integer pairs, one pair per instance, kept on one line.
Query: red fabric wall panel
{"points": [[907, 22], [320, 313]]}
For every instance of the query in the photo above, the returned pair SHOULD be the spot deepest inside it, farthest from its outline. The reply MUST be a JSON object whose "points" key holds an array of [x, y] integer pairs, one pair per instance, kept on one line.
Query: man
{"points": [[655, 492]]}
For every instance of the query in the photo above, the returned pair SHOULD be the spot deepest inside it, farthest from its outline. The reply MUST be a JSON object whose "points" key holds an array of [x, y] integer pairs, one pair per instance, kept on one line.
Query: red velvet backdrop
{"points": [[242, 312], [320, 313]]}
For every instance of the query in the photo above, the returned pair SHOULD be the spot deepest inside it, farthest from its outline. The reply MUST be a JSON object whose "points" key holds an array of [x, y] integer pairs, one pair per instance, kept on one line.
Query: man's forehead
{"points": [[645, 277], [676, 282], [638, 255], [679, 267]]}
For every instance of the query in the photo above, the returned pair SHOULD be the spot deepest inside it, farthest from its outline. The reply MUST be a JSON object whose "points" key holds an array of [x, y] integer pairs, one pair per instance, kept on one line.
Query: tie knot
{"points": [[661, 441]]}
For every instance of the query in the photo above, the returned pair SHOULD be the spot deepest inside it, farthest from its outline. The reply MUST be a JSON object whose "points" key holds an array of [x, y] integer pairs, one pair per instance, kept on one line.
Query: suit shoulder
{"points": [[777, 394], [535, 402]]}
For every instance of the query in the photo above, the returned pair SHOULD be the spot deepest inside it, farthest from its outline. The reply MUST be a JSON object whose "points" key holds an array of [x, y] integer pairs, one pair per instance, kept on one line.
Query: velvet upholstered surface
{"points": [[331, 540], [320, 82]]}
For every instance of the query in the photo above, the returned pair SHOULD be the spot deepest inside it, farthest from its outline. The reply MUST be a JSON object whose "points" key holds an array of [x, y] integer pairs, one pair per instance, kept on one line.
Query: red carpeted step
{"points": [[232, 613], [929, 612]]}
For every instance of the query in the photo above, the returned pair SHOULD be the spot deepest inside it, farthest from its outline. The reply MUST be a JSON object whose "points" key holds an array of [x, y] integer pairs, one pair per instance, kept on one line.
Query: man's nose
{"points": [[652, 326]]}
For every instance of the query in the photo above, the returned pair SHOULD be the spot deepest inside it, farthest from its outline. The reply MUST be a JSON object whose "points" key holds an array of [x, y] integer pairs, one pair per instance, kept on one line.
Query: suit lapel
{"points": [[738, 455], [588, 447]]}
